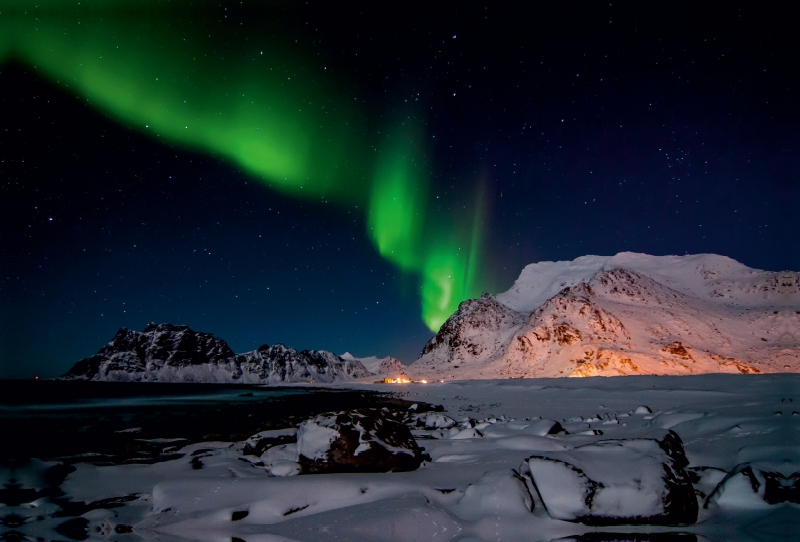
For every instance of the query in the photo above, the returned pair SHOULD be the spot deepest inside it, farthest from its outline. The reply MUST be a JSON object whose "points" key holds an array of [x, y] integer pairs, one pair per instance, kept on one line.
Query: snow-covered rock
{"points": [[169, 353], [433, 420], [757, 486], [623, 315], [497, 493], [470, 489], [366, 440], [259, 443], [284, 467], [616, 481]]}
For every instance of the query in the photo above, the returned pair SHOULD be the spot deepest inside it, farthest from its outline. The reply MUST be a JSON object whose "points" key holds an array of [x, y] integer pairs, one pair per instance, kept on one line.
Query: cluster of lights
{"points": [[402, 380]]}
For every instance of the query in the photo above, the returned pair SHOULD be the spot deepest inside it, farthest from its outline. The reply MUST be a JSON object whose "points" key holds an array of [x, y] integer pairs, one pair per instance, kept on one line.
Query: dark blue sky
{"points": [[591, 129]]}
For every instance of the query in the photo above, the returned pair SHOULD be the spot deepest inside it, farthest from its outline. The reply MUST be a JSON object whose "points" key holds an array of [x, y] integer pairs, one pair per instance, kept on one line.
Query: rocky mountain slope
{"points": [[168, 353], [623, 315], [376, 365]]}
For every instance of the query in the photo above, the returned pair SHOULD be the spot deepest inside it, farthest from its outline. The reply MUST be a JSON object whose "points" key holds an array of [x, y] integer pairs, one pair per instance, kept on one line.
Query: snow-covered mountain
{"points": [[168, 353], [378, 366], [621, 315]]}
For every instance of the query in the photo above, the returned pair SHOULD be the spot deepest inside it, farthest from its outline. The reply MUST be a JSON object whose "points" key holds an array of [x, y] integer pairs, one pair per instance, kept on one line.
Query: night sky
{"points": [[340, 178]]}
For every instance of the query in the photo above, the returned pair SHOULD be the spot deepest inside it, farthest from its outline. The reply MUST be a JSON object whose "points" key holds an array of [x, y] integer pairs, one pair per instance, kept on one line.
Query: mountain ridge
{"points": [[176, 353], [626, 314], [621, 315]]}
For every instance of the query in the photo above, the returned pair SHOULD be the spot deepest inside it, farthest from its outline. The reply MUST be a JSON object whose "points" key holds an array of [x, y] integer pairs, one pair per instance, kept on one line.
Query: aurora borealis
{"points": [[146, 65], [440, 149]]}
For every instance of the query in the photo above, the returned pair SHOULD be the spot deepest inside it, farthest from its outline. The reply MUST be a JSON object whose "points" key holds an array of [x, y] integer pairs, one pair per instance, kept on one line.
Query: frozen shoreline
{"points": [[468, 490]]}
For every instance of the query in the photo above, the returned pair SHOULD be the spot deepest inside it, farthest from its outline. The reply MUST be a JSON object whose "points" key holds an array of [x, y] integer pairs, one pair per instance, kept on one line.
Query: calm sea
{"points": [[31, 395]]}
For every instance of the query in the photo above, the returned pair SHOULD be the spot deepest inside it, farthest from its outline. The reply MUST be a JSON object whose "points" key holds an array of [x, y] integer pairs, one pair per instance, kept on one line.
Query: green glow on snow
{"points": [[174, 72]]}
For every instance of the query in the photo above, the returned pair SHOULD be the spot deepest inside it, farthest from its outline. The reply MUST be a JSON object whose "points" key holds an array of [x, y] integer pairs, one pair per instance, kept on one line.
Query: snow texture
{"points": [[741, 459], [314, 439]]}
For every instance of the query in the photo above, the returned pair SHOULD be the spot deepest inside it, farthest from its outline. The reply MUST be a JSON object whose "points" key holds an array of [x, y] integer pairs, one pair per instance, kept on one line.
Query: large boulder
{"points": [[366, 440], [757, 485], [611, 482]]}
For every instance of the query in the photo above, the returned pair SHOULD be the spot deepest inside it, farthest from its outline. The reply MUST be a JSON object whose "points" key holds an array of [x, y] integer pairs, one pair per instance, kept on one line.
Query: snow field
{"points": [[474, 487]]}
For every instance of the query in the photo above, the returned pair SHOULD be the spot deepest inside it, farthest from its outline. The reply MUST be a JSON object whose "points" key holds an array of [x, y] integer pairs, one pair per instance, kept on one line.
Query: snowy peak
{"points": [[625, 314], [539, 282], [472, 335], [378, 366], [706, 276], [158, 345], [168, 353]]}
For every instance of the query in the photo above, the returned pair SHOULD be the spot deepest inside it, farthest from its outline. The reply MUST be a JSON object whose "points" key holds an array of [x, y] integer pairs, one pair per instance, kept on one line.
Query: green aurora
{"points": [[258, 99]]}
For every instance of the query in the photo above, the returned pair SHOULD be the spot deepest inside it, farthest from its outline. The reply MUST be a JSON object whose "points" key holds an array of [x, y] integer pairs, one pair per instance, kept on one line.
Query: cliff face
{"points": [[168, 353], [474, 335], [624, 315]]}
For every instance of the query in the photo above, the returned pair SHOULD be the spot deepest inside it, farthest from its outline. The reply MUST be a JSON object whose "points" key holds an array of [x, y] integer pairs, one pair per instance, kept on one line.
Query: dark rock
{"points": [[75, 528], [13, 521], [367, 440], [291, 511], [239, 514], [779, 488], [556, 429]]}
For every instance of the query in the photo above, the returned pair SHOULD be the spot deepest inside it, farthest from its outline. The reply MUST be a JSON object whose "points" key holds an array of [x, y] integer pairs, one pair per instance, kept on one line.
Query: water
{"points": [[18, 396], [112, 423]]}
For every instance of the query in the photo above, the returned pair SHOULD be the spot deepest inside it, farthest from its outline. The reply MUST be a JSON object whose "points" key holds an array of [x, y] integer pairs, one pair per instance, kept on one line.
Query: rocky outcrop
{"points": [[169, 353], [612, 482], [159, 345], [757, 485], [478, 331], [367, 440], [363, 440]]}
